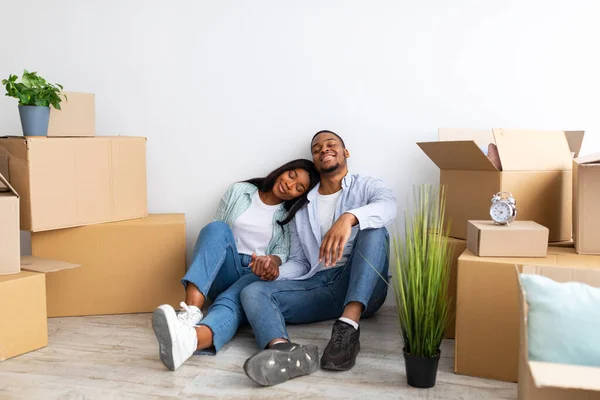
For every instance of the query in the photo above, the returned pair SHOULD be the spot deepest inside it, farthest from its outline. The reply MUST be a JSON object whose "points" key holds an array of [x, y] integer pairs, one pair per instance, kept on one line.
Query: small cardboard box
{"points": [[10, 245], [586, 204], [23, 321], [77, 116], [553, 381], [536, 169], [458, 247], [487, 319], [127, 267], [67, 182], [520, 239]]}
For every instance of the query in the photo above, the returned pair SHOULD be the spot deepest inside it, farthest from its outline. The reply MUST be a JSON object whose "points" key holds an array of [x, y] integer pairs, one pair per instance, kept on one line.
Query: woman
{"points": [[247, 240]]}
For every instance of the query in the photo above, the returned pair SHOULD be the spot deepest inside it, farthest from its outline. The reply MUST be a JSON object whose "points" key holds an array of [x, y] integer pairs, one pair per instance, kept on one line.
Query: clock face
{"points": [[500, 212]]}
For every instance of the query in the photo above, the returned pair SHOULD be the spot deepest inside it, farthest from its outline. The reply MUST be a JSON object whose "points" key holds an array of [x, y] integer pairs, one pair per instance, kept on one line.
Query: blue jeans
{"points": [[220, 273], [270, 305]]}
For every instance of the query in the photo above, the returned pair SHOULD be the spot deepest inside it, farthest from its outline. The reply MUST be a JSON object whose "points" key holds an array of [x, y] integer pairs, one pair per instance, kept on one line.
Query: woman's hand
{"points": [[265, 267]]}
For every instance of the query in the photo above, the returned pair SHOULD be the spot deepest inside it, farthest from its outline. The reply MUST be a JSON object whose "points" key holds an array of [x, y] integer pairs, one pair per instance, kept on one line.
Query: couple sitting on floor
{"points": [[307, 243]]}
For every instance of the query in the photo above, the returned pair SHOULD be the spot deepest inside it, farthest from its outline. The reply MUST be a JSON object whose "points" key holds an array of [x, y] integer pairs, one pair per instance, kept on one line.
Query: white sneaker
{"points": [[191, 315], [177, 340]]}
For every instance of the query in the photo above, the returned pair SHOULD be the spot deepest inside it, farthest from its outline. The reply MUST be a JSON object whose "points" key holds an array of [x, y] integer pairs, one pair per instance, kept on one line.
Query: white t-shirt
{"points": [[253, 229], [326, 205]]}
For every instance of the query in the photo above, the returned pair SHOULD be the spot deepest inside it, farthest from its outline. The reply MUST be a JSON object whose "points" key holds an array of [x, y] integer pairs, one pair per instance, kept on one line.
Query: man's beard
{"points": [[331, 169]]}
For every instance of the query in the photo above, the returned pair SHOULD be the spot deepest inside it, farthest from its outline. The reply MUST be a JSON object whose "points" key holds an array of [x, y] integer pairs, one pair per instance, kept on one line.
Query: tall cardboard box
{"points": [[554, 381], [487, 320], [536, 169], [586, 204], [10, 246], [126, 267], [458, 247], [67, 182], [77, 116], [23, 321]]}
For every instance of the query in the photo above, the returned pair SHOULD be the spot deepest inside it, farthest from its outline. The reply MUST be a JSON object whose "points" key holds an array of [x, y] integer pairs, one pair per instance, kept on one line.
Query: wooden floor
{"points": [[116, 357]]}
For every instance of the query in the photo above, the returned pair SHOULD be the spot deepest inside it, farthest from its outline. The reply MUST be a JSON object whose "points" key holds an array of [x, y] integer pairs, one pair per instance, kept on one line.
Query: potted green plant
{"points": [[35, 96], [420, 280]]}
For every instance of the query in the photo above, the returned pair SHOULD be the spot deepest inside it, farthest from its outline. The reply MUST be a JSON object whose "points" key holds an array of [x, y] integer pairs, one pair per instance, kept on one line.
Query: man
{"points": [[336, 269]]}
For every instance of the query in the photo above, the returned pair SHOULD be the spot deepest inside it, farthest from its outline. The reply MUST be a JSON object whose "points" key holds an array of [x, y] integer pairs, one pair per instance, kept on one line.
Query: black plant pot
{"points": [[421, 372]]}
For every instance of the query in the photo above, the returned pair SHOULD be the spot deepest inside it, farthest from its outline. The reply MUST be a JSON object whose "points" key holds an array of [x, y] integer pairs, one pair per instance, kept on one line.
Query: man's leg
{"points": [[365, 291], [269, 305]]}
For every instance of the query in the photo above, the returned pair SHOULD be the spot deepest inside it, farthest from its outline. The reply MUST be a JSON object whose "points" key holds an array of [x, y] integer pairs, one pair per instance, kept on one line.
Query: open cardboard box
{"points": [[536, 169], [23, 316], [553, 381], [10, 245], [586, 204]]}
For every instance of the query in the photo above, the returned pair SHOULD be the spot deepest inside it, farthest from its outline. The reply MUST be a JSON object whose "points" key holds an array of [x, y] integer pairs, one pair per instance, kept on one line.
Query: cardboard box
{"points": [[77, 116], [23, 322], [586, 204], [10, 245], [67, 182], [487, 320], [539, 178], [553, 381], [458, 246], [127, 267], [520, 239]]}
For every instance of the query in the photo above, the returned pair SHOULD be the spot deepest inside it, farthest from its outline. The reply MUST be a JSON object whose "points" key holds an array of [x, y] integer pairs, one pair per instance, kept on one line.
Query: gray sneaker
{"points": [[281, 362]]}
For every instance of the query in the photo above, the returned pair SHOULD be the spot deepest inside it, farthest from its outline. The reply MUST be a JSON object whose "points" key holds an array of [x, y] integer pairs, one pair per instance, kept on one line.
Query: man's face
{"points": [[328, 153]]}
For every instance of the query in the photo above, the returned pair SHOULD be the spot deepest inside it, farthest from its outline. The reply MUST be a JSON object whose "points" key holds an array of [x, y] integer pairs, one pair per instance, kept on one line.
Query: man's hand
{"points": [[265, 267], [336, 238]]}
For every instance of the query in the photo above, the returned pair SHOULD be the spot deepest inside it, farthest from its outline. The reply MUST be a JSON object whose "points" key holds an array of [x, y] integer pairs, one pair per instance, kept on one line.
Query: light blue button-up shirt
{"points": [[367, 198]]}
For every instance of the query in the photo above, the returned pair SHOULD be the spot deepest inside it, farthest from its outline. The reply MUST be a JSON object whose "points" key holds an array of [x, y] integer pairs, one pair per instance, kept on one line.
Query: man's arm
{"points": [[381, 207], [380, 210], [297, 263]]}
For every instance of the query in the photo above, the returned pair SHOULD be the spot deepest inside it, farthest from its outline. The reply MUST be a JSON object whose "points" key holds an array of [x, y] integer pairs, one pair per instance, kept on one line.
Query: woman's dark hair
{"points": [[291, 206]]}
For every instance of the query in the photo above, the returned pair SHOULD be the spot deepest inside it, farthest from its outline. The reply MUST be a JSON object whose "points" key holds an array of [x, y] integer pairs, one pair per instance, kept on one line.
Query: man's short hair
{"points": [[333, 133]]}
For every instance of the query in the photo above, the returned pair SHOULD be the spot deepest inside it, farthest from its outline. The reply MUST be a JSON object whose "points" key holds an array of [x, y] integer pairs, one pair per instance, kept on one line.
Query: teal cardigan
{"points": [[238, 199]]}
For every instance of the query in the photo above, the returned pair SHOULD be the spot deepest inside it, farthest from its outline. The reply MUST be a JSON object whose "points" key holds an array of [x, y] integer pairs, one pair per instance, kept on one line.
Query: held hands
{"points": [[265, 267], [335, 239]]}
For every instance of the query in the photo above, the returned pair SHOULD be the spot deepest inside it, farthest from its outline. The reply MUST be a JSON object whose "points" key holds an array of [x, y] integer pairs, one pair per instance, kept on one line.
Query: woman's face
{"points": [[291, 184]]}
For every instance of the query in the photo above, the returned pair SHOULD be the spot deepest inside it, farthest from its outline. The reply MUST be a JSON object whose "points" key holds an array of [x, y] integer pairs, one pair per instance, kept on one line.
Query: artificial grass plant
{"points": [[422, 271]]}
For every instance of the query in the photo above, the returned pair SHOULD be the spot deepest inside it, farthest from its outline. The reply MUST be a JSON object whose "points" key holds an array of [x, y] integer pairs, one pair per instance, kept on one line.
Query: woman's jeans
{"points": [[220, 273]]}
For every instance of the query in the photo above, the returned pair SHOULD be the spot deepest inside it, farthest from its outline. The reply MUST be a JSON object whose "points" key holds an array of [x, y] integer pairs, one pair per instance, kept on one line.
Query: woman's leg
{"points": [[215, 264], [224, 316]]}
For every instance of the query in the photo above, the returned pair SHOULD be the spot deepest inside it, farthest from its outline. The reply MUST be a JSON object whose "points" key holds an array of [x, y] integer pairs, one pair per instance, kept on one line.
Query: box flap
{"points": [[36, 264], [564, 376], [533, 150], [482, 137], [575, 140], [589, 159], [4, 166], [457, 155], [5, 186]]}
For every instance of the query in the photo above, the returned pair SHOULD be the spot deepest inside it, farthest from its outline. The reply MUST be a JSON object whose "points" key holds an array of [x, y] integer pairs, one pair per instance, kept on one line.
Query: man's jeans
{"points": [[220, 273], [269, 305]]}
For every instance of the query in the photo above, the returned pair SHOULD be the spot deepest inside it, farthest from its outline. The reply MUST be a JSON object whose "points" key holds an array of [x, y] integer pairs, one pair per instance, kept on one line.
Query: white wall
{"points": [[226, 90]]}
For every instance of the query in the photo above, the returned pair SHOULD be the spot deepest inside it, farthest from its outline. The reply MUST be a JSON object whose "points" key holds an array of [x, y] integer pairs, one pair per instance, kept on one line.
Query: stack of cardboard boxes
{"points": [[84, 200], [558, 201]]}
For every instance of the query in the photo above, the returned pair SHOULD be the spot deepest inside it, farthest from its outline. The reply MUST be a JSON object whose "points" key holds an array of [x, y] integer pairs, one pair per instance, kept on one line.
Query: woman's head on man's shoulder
{"points": [[291, 183]]}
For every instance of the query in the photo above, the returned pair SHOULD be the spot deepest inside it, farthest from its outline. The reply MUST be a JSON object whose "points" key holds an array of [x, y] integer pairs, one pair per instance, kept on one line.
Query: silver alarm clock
{"points": [[504, 208]]}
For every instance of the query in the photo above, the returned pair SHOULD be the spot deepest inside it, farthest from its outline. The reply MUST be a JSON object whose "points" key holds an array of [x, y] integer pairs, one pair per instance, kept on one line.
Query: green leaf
{"points": [[33, 90]]}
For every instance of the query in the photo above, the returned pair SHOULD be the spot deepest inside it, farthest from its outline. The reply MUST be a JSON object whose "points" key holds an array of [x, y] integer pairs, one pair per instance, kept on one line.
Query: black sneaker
{"points": [[281, 362], [341, 351]]}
